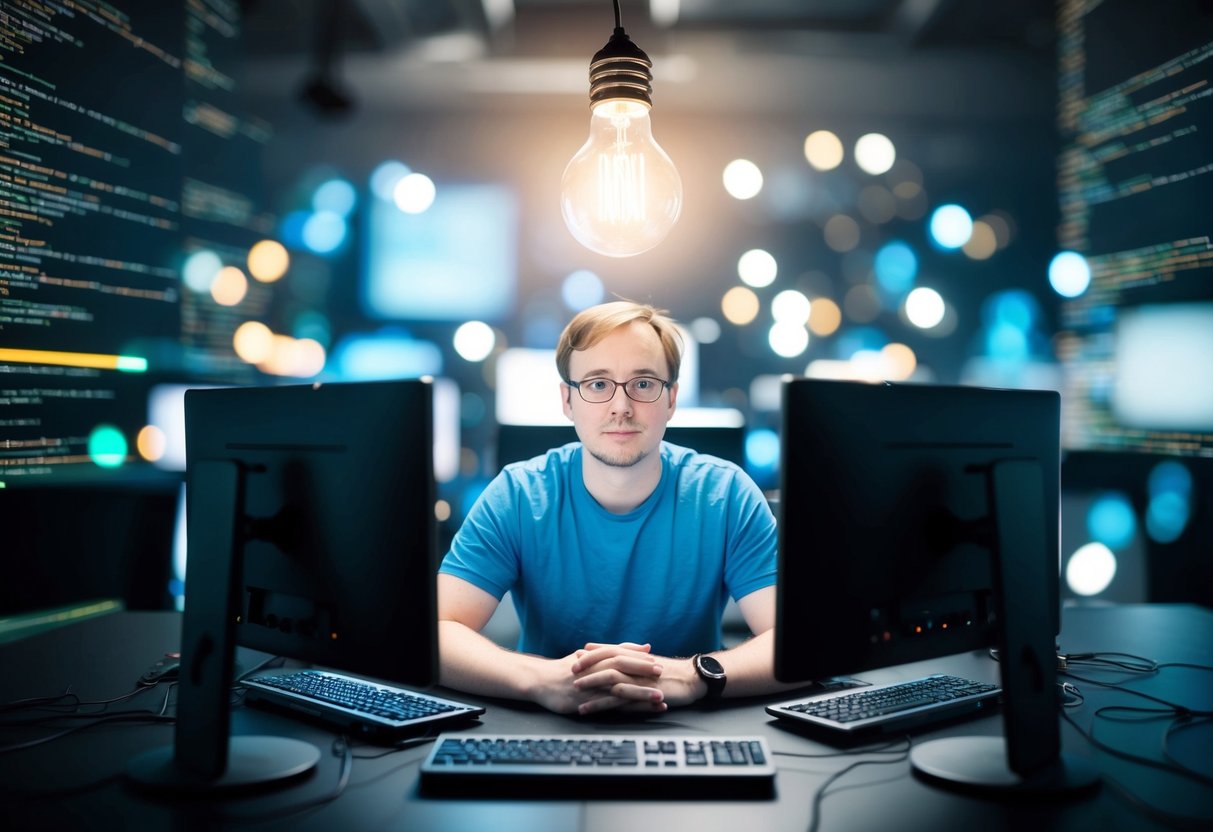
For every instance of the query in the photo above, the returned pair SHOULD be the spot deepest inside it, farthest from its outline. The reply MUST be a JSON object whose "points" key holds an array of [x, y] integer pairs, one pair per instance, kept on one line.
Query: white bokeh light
{"points": [[1069, 274], [951, 226], [925, 307], [705, 330], [414, 194], [1091, 569], [757, 268], [200, 270], [791, 306], [742, 179], [788, 339], [874, 153], [474, 341]]}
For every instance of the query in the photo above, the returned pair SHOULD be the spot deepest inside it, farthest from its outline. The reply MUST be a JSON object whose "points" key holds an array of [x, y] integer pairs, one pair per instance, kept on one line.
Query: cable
{"points": [[819, 795], [38, 701], [401, 745], [887, 748], [127, 716], [1071, 696], [1174, 728], [1122, 661], [1089, 736], [1180, 710]]}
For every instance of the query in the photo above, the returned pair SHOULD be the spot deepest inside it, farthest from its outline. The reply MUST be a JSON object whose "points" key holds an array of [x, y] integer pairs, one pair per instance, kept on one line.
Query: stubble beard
{"points": [[620, 458]]}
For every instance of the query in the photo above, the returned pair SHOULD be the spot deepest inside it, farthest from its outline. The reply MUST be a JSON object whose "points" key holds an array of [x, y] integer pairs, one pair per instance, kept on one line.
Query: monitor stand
{"points": [[205, 758], [1027, 760]]}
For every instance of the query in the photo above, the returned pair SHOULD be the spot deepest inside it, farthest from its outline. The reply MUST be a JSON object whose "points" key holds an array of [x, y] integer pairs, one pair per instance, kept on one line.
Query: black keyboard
{"points": [[891, 707], [365, 708], [613, 765]]}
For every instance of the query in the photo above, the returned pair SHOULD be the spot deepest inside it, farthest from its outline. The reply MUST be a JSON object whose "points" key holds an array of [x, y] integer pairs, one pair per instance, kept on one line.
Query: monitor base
{"points": [[979, 765], [252, 763]]}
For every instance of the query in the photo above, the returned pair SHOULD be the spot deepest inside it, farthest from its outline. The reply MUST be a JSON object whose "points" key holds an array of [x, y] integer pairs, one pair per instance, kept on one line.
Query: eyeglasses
{"points": [[640, 389]]}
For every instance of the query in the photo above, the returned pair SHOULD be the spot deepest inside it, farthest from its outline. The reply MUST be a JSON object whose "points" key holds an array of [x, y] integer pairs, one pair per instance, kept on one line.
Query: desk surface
{"points": [[76, 781]]}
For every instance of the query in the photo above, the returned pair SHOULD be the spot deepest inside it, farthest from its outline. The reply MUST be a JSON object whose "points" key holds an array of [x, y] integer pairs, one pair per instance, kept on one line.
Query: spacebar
{"points": [[904, 706]]}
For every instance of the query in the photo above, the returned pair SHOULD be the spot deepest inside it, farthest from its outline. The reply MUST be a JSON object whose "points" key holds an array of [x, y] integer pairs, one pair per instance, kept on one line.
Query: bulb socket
{"points": [[621, 69]]}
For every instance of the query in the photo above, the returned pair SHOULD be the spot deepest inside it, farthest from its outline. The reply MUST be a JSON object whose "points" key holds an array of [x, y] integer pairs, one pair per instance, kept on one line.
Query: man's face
{"points": [[620, 432]]}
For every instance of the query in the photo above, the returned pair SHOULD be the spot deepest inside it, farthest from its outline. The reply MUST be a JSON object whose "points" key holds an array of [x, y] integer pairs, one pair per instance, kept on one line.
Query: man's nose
{"points": [[621, 400]]}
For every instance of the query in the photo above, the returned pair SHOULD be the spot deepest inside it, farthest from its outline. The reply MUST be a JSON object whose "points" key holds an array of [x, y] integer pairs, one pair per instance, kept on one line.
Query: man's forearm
{"points": [[751, 667], [473, 663]]}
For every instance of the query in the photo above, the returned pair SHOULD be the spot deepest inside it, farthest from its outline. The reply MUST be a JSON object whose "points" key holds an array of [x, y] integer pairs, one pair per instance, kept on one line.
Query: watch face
{"points": [[710, 666]]}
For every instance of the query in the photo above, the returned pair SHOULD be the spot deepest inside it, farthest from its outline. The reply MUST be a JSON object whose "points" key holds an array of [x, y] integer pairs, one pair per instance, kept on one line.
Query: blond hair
{"points": [[590, 326]]}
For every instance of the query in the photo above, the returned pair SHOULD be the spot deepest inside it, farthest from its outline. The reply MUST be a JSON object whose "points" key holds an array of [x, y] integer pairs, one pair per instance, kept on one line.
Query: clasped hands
{"points": [[623, 677]]}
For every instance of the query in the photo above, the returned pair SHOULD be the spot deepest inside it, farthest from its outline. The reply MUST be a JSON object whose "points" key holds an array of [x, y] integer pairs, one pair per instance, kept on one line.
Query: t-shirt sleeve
{"points": [[485, 550], [750, 557]]}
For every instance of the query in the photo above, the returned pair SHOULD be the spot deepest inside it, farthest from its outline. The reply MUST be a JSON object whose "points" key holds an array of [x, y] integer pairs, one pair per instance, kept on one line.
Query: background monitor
{"points": [[311, 536]]}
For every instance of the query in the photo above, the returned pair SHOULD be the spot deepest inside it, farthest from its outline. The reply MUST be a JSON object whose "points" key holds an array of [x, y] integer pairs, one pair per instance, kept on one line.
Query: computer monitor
{"points": [[919, 521], [312, 535]]}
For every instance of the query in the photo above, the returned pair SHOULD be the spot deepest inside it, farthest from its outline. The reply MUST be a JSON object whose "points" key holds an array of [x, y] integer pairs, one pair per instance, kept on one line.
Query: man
{"points": [[620, 550]]}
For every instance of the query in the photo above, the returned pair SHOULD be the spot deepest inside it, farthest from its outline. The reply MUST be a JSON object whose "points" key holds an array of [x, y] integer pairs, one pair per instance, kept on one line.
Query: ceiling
{"points": [[917, 56]]}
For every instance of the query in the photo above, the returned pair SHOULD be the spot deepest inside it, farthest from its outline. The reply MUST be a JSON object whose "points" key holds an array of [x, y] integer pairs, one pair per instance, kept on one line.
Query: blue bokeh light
{"points": [[581, 290], [1170, 476], [324, 232], [896, 266], [951, 226], [337, 196], [384, 178], [1007, 343], [1013, 307], [858, 338], [290, 229], [1111, 521], [387, 354], [1167, 516]]}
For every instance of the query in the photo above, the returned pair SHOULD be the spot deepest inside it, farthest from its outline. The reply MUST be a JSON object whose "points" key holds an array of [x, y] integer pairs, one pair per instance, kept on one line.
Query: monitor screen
{"points": [[886, 520]]}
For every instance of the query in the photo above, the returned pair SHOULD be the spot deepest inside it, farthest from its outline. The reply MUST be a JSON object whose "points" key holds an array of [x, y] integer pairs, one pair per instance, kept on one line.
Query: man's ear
{"points": [[673, 397], [566, 400]]}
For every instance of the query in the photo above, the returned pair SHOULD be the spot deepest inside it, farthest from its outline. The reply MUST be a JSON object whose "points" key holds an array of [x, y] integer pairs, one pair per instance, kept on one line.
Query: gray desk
{"points": [[75, 782]]}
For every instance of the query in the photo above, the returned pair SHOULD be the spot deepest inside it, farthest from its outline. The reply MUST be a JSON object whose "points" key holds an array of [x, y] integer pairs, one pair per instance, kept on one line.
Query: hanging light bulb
{"points": [[620, 194]]}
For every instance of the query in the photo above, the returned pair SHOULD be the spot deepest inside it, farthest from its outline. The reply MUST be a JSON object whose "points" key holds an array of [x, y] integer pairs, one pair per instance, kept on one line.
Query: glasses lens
{"points": [[597, 390], [644, 389]]}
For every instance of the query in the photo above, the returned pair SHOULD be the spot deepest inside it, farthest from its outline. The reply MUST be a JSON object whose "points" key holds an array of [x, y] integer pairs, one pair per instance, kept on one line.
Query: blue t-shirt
{"points": [[662, 573]]}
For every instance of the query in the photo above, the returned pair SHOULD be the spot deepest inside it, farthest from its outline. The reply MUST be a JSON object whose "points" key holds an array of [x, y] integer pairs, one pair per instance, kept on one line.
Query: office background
{"points": [[1033, 212]]}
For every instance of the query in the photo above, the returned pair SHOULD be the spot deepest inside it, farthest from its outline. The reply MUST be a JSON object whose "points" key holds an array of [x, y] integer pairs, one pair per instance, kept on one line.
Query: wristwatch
{"points": [[712, 673]]}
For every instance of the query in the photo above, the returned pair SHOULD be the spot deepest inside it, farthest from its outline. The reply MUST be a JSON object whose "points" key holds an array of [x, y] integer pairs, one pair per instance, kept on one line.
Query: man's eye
{"points": [[643, 384], [598, 385]]}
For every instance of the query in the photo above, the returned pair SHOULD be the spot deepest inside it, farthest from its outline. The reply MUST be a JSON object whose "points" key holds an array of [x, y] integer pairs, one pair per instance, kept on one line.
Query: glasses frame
{"points": [[576, 385]]}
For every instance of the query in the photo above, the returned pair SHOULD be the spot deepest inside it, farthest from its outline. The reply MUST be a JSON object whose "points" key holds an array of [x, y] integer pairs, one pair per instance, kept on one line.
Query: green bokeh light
{"points": [[107, 446], [132, 364]]}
